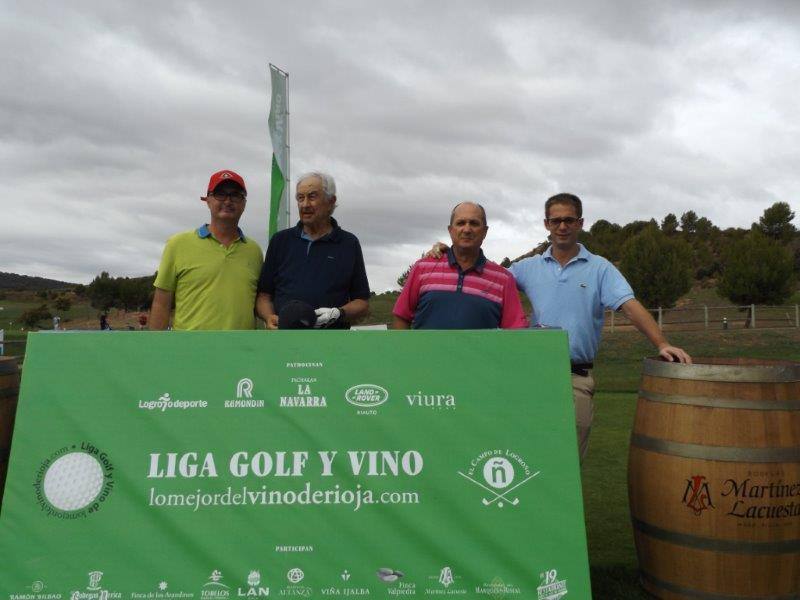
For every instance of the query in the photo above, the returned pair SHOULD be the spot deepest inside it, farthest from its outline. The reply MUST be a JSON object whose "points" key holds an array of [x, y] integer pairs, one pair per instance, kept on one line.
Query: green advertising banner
{"points": [[217, 466]]}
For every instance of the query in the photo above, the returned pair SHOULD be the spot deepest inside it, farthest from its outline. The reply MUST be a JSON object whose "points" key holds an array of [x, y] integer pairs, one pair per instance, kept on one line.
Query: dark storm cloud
{"points": [[113, 115]]}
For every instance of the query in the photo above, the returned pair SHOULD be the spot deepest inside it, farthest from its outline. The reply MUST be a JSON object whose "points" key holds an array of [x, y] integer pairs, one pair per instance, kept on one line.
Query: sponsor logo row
{"points": [[442, 583], [365, 397]]}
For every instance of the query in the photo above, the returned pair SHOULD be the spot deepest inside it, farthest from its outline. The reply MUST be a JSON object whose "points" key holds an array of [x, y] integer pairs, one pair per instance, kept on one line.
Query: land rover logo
{"points": [[366, 395]]}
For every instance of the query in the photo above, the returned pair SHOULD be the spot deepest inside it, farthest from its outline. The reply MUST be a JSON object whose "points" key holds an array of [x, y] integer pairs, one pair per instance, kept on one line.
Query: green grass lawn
{"points": [[617, 370]]}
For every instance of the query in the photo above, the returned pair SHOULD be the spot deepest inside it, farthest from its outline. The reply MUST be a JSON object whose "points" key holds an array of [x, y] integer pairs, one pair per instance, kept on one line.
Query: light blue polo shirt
{"points": [[572, 297]]}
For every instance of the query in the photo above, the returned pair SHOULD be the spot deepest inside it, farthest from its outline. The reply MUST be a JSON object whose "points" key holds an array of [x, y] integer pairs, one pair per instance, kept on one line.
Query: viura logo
{"points": [[366, 397], [435, 401]]}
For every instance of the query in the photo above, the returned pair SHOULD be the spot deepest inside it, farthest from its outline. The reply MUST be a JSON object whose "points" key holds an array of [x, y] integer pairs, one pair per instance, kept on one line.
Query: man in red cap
{"points": [[210, 272]]}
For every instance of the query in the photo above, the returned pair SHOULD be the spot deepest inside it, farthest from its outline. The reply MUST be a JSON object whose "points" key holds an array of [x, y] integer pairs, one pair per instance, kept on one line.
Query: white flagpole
{"points": [[288, 188]]}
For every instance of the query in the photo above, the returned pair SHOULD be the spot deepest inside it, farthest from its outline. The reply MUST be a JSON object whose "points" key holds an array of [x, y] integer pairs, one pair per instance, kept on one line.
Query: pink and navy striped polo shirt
{"points": [[440, 295]]}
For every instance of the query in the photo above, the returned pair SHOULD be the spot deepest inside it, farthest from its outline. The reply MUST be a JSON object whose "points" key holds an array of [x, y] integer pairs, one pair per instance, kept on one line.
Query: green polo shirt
{"points": [[214, 286]]}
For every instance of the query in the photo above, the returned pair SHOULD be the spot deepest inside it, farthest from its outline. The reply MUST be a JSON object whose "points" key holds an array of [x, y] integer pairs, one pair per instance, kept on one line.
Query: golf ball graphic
{"points": [[73, 481]]}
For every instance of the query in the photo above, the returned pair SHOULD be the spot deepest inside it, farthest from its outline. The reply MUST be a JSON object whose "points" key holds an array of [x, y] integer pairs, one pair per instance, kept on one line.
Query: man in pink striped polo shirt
{"points": [[461, 289]]}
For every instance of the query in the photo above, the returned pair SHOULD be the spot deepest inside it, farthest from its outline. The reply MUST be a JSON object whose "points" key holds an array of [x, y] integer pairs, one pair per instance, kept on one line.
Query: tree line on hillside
{"points": [[21, 283], [751, 266], [104, 293], [125, 293]]}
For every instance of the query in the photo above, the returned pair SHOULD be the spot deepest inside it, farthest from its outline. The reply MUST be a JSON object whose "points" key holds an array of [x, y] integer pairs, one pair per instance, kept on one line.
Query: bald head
{"points": [[471, 206], [467, 228]]}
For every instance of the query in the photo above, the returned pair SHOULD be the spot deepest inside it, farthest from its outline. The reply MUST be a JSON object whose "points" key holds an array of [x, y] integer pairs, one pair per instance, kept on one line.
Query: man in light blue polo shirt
{"points": [[570, 288]]}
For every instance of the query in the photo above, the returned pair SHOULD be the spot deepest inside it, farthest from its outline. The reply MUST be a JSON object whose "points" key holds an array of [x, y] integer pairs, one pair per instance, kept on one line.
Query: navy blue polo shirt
{"points": [[327, 272]]}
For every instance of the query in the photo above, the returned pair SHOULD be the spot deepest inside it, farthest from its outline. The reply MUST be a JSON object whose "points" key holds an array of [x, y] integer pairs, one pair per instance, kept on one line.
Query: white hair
{"points": [[328, 184]]}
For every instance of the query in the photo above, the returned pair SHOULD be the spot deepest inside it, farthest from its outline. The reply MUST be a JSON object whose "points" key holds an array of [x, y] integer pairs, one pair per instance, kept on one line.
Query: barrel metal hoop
{"points": [[8, 367], [691, 593], [729, 373], [720, 453], [721, 402], [703, 543], [9, 392]]}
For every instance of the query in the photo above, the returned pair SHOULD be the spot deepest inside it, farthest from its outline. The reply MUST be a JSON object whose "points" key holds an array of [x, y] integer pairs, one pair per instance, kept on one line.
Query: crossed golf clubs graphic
{"points": [[499, 495]]}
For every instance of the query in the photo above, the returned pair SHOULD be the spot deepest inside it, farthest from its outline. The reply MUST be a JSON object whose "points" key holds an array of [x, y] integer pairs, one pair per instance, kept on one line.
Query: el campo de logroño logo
{"points": [[499, 473]]}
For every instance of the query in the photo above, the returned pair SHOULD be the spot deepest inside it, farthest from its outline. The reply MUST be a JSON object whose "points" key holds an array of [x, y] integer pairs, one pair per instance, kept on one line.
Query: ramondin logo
{"points": [[697, 495], [244, 396], [244, 389], [74, 482], [501, 472], [366, 395]]}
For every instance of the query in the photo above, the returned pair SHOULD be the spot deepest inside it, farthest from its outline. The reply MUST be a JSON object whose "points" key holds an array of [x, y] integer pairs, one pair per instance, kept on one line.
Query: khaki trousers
{"points": [[583, 392]]}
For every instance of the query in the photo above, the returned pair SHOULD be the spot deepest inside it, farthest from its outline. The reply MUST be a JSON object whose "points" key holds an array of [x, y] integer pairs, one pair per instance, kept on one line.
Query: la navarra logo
{"points": [[499, 473]]}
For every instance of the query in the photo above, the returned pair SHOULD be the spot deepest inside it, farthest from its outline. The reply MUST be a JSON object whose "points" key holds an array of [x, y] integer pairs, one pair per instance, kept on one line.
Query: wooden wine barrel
{"points": [[9, 390], [714, 479]]}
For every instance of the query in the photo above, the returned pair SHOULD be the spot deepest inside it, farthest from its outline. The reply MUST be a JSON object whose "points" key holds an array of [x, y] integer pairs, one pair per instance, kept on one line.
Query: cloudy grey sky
{"points": [[114, 114]]}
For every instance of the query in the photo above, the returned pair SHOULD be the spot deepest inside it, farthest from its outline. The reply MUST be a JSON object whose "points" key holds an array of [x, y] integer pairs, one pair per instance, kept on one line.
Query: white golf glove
{"points": [[327, 317]]}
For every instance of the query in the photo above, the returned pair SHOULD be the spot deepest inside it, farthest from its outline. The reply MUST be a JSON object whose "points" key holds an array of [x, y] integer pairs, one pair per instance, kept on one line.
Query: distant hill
{"points": [[12, 281]]}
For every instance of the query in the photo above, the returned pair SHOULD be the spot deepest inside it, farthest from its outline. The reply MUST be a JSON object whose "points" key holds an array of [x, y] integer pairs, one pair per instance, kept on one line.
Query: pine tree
{"points": [[776, 222], [657, 267], [757, 270]]}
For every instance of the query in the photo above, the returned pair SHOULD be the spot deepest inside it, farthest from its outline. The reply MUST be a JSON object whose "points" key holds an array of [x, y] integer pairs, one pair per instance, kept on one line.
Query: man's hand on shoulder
{"points": [[674, 354], [436, 251]]}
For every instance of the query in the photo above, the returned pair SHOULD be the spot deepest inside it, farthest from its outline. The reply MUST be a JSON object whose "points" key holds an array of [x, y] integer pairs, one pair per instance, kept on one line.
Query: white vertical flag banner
{"points": [[279, 133]]}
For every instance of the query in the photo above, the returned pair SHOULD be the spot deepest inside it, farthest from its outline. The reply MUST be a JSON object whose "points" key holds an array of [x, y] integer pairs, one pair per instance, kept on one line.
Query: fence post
{"points": [[753, 316], [797, 315], [612, 321], [660, 318], [705, 314]]}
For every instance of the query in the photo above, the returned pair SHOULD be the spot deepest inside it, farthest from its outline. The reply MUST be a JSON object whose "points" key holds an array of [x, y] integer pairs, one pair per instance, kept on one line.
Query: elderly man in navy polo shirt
{"points": [[316, 262], [461, 290]]}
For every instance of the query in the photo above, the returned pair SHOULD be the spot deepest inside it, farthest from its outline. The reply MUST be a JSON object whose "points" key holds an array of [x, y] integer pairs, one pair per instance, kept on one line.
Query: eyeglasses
{"points": [[232, 196], [557, 221]]}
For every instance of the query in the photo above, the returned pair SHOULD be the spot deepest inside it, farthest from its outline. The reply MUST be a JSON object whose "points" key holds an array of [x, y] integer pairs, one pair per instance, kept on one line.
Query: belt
{"points": [[581, 369]]}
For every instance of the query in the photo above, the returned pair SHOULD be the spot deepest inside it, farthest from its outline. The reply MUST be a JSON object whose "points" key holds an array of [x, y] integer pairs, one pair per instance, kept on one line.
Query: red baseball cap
{"points": [[221, 176]]}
